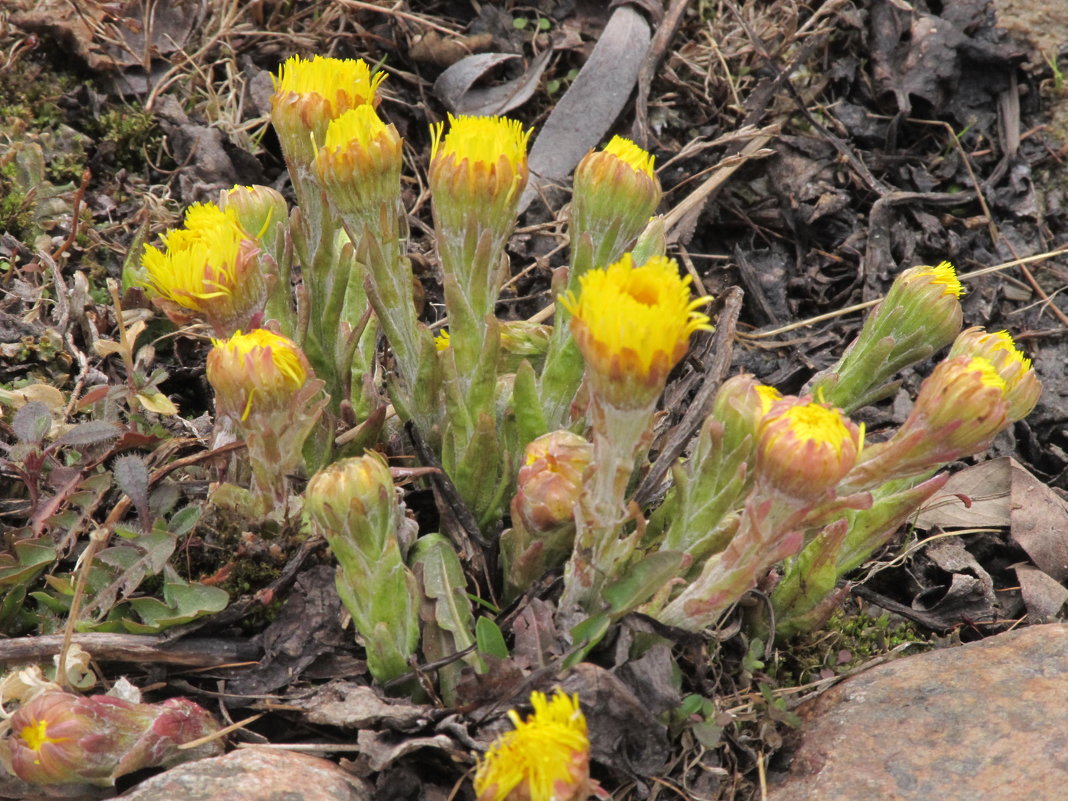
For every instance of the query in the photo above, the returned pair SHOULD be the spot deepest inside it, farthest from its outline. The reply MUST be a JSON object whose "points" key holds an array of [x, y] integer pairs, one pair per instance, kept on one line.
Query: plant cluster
{"points": [[547, 428]]}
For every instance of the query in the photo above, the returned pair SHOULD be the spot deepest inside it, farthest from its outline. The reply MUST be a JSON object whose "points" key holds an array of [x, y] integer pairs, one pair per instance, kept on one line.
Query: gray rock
{"points": [[253, 774], [982, 722]]}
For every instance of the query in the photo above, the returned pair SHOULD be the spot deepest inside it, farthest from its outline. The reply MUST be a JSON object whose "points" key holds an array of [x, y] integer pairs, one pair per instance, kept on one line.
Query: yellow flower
{"points": [[257, 370], [308, 94], [615, 193], [804, 449], [630, 154], [633, 324], [943, 276], [359, 164], [478, 167], [546, 757], [442, 341], [209, 267], [1022, 387]]}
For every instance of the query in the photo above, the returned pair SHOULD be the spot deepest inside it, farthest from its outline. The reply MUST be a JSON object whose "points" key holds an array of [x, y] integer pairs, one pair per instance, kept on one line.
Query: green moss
{"points": [[30, 93], [128, 131], [847, 640]]}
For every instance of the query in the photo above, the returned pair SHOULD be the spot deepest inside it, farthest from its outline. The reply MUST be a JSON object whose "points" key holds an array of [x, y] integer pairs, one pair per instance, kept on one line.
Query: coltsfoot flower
{"points": [[546, 757], [479, 160], [359, 164], [805, 448], [633, 325], [265, 386], [64, 738], [309, 93], [920, 314], [209, 267], [478, 169], [1022, 387], [959, 410], [615, 193], [259, 370]]}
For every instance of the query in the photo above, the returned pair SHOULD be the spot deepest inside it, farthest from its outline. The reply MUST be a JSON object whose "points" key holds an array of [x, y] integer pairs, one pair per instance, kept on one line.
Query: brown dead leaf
{"points": [[1043, 596], [976, 497], [348, 705], [1039, 523]]}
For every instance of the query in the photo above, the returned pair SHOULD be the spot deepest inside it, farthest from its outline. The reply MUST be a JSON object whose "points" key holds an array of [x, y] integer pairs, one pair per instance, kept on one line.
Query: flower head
{"points": [[961, 406], [1022, 387], [359, 164], [615, 193], [308, 93], [259, 370], [551, 480], [478, 166], [740, 404], [633, 324], [546, 757], [351, 496], [210, 267], [64, 738], [805, 448]]}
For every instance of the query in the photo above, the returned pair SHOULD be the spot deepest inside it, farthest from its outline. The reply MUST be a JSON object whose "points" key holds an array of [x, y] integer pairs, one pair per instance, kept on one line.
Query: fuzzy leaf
{"points": [[92, 432], [32, 422]]}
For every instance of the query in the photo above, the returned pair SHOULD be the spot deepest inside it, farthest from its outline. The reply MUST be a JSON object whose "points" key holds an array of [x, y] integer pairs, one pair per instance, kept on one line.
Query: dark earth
{"points": [[809, 151]]}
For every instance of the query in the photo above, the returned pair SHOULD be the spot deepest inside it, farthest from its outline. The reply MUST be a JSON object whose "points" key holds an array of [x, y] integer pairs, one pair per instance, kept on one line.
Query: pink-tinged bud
{"points": [[550, 481], [805, 448], [1022, 387], [64, 738], [260, 371], [960, 408], [741, 403], [546, 757]]}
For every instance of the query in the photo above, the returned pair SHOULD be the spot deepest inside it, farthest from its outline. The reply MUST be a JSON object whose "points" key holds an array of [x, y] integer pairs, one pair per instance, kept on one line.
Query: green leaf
{"points": [[644, 578], [586, 635], [489, 638], [529, 418]]}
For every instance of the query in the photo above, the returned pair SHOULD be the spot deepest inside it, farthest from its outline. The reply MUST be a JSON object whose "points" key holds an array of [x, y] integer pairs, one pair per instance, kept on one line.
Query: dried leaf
{"points": [[1043, 596], [976, 497], [593, 101], [456, 85]]}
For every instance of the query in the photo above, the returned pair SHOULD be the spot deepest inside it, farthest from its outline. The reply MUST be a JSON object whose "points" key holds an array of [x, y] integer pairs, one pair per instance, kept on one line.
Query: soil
{"points": [[855, 138]]}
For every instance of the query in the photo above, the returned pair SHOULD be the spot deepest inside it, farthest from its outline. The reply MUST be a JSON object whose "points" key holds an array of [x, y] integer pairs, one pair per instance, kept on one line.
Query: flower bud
{"points": [[353, 504], [1022, 387], [546, 757], [615, 194], [308, 94], [209, 267], [259, 370], [805, 448], [633, 325], [359, 165], [550, 481], [259, 210], [64, 738], [920, 314], [959, 410], [740, 404], [355, 498]]}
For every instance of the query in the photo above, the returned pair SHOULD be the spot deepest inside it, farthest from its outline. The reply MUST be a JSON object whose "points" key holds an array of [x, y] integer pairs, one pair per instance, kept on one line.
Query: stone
{"points": [[253, 774], [981, 722]]}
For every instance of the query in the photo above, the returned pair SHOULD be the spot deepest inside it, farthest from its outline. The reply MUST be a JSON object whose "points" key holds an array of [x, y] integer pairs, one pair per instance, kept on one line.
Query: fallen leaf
{"points": [[1043, 596], [456, 85], [591, 104]]}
